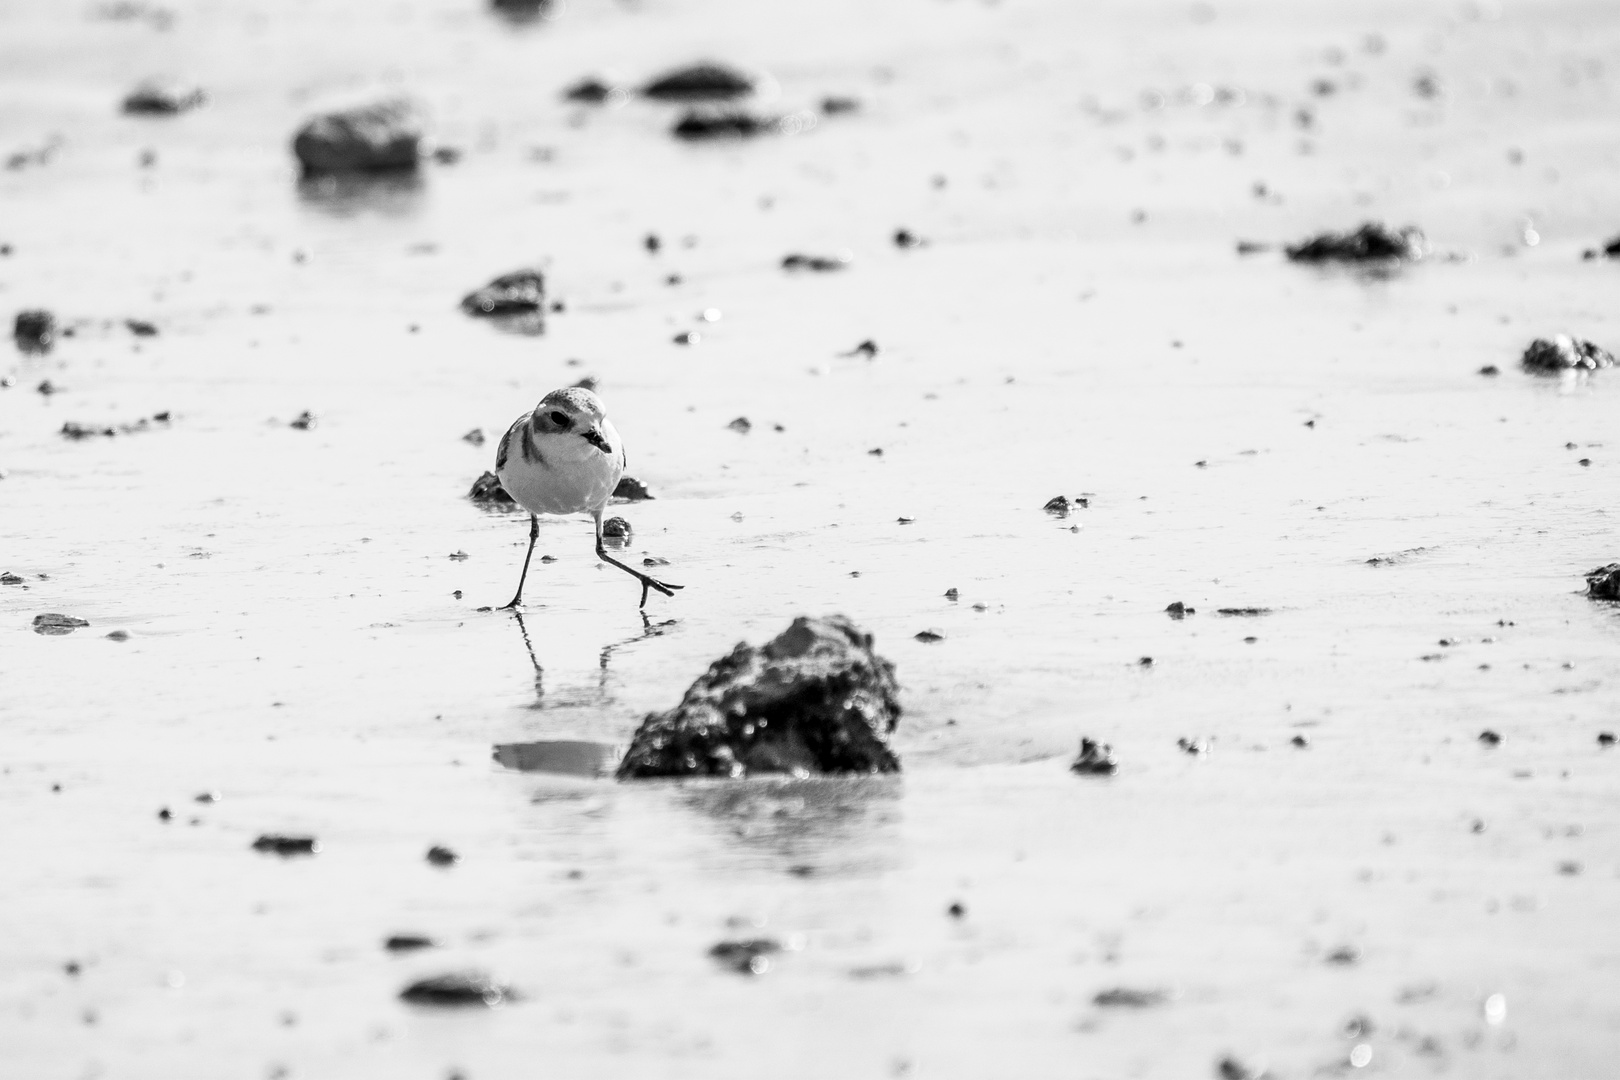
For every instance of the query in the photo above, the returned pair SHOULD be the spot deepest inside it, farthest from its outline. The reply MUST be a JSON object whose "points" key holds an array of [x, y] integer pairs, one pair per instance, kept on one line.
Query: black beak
{"points": [[594, 437]]}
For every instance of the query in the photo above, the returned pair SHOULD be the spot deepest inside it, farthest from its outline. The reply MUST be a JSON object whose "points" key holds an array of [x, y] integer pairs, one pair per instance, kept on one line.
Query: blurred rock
{"points": [[631, 490], [1372, 242], [1096, 759], [163, 97], [589, 91], [278, 844], [616, 528], [700, 82], [815, 699], [382, 137], [52, 624], [818, 263], [519, 293], [34, 330], [750, 957], [1565, 353], [727, 124]]}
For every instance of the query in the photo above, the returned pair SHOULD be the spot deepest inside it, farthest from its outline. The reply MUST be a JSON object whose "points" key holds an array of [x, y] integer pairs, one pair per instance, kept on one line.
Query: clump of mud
{"points": [[1372, 242], [707, 81], [382, 137], [521, 292], [1565, 353], [815, 699], [163, 97], [1603, 583]]}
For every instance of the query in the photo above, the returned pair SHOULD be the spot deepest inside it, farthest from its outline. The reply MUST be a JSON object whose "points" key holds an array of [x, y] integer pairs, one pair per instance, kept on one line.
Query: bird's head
{"points": [[573, 411]]}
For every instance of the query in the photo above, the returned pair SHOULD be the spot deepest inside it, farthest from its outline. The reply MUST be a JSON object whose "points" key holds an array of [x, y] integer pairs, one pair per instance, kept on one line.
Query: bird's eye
{"points": [[559, 418]]}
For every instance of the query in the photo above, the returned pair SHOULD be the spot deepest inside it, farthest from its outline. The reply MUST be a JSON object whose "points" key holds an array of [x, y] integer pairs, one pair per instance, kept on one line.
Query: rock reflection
{"points": [[389, 194], [809, 826], [563, 757]]}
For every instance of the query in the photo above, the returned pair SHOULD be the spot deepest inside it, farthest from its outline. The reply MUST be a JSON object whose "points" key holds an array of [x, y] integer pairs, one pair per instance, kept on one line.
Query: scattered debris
{"points": [[487, 489], [951, 594], [1301, 741], [52, 624], [706, 81], [1490, 370], [439, 855], [1146, 661], [1243, 612], [819, 263], [1344, 955], [1372, 242], [741, 424], [1605, 738], [141, 328], [382, 137], [1125, 997], [1096, 759], [866, 349], [1392, 558], [1057, 506], [616, 528], [631, 490], [74, 430], [815, 699], [839, 105], [303, 421], [905, 238], [1178, 611], [750, 957], [928, 637], [163, 97], [957, 909], [1230, 1068], [409, 942], [1253, 247], [521, 292], [458, 988], [46, 388], [8, 578], [1565, 353], [278, 844], [34, 330], [1195, 747]]}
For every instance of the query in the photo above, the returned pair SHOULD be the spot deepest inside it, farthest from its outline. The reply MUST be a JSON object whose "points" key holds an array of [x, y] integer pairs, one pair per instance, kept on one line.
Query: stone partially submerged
{"points": [[163, 97], [1603, 583], [381, 137], [706, 81], [815, 699], [522, 292], [1372, 242], [1565, 353]]}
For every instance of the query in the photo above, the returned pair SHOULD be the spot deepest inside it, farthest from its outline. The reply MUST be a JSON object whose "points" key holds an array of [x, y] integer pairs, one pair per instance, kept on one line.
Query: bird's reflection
{"points": [[807, 826], [649, 629]]}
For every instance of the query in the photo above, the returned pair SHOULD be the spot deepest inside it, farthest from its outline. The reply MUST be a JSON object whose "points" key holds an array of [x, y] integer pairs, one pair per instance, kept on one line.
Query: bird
{"points": [[565, 457]]}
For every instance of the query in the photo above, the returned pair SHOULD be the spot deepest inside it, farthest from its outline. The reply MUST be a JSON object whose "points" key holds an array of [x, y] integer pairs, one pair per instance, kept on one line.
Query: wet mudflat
{"points": [[1380, 552]]}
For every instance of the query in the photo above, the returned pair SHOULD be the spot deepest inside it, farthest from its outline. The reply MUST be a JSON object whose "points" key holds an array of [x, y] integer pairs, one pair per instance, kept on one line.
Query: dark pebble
{"points": [[165, 814], [957, 910], [1490, 369], [34, 330], [1124, 997], [706, 81], [818, 263], [141, 328], [616, 528], [1489, 737], [304, 421], [278, 844], [442, 856], [1605, 738], [740, 424], [1057, 506], [838, 106], [905, 238], [631, 490], [697, 125], [687, 337], [1300, 741], [750, 957], [951, 594], [1178, 611], [1096, 759], [867, 349], [1193, 746], [163, 97], [409, 942], [487, 489], [1603, 582], [55, 625], [382, 137], [1243, 611], [589, 90], [522, 292], [475, 436], [457, 989], [8, 578], [929, 636], [1344, 955]]}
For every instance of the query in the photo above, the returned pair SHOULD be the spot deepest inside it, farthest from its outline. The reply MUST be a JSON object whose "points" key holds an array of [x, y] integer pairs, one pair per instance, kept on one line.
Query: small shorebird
{"points": [[565, 458]]}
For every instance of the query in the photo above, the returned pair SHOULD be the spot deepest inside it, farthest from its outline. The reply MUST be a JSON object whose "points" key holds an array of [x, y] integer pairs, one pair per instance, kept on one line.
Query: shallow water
{"points": [[296, 645]]}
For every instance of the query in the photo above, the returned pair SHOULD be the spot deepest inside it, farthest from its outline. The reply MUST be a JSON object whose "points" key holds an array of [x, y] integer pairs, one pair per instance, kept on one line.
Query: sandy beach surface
{"points": [[299, 615]]}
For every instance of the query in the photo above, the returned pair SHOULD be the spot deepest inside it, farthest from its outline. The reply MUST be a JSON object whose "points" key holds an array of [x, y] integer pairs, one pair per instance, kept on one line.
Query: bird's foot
{"points": [[516, 602], [653, 583]]}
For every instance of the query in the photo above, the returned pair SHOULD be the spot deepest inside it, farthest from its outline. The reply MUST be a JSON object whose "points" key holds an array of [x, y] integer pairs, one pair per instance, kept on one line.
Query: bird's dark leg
{"points": [[534, 533], [646, 582]]}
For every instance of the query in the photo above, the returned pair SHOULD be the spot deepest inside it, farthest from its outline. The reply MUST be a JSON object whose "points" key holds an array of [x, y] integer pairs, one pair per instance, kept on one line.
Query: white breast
{"points": [[560, 474]]}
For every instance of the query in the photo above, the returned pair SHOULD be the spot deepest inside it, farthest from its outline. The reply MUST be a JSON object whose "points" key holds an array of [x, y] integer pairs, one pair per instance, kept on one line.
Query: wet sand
{"points": [[1249, 434]]}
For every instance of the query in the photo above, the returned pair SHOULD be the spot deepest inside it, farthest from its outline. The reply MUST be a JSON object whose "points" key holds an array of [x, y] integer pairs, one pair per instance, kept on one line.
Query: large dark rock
{"points": [[1370, 243], [34, 330], [700, 82], [1565, 353], [521, 292], [487, 490], [1604, 582], [383, 137], [815, 699]]}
